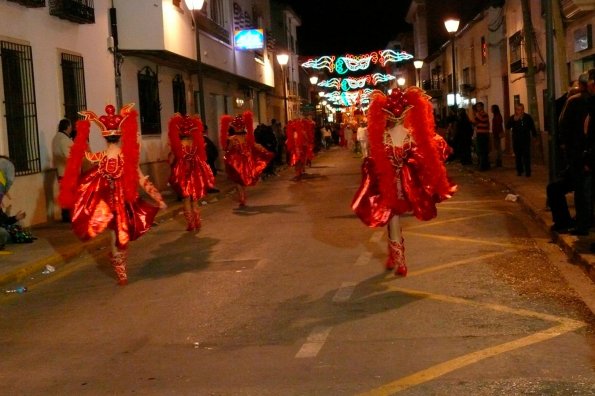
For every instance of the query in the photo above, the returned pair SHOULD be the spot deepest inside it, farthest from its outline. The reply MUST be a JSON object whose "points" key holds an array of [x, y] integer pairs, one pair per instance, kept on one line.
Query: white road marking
{"points": [[344, 292], [377, 236], [363, 259], [314, 343]]}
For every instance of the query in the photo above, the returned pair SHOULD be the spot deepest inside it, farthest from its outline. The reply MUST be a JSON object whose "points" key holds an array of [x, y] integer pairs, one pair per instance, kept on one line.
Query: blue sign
{"points": [[250, 39]]}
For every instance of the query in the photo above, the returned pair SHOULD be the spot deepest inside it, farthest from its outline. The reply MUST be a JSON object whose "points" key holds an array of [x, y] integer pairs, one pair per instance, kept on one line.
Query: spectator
{"points": [[212, 151], [497, 133], [327, 138], [464, 137], [523, 128], [280, 137], [482, 133], [6, 180], [362, 138], [264, 135], [60, 150]]}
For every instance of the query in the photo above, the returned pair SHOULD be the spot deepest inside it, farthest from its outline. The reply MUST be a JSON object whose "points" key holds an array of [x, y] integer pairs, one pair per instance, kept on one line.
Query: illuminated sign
{"points": [[250, 39]]}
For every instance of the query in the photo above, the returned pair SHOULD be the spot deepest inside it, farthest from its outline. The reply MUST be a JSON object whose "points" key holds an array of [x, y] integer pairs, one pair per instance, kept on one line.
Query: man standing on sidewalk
{"points": [[523, 128], [482, 130], [60, 149], [574, 139]]}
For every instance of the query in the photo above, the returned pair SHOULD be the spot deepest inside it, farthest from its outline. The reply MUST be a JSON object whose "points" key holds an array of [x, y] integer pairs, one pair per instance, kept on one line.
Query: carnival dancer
{"points": [[405, 171], [191, 176], [244, 158], [300, 133], [106, 196]]}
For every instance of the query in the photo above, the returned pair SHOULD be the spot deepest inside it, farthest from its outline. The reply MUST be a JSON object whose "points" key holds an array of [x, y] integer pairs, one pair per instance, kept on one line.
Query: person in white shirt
{"points": [[362, 138], [60, 149]]}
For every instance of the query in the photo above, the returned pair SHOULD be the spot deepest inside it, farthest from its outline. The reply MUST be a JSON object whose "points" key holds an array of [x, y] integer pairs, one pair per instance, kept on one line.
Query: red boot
{"points": [[118, 261], [396, 257], [197, 222], [242, 198], [189, 216]]}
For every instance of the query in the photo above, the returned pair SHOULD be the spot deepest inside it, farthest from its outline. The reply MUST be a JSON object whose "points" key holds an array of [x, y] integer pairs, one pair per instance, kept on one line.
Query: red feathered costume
{"points": [[106, 195], [300, 134], [190, 177], [402, 177], [244, 159]]}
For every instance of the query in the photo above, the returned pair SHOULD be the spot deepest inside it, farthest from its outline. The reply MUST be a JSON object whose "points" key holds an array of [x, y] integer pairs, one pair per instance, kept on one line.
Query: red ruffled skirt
{"points": [[244, 164]]}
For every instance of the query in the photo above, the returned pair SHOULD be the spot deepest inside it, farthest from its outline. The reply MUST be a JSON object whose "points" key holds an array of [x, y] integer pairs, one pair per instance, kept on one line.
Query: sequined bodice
{"points": [[397, 154], [111, 168]]}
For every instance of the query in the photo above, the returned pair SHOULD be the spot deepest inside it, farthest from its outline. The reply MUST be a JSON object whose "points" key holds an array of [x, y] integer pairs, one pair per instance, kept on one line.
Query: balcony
{"points": [[30, 3], [79, 11], [209, 26]]}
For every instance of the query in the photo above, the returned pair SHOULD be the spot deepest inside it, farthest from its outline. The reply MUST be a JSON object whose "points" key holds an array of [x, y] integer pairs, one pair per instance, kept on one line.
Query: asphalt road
{"points": [[289, 297]]}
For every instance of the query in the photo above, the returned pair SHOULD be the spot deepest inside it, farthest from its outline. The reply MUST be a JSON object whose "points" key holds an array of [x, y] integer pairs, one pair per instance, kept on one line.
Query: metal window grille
{"points": [[30, 3], [73, 83], [148, 93], [179, 91], [79, 11], [20, 107]]}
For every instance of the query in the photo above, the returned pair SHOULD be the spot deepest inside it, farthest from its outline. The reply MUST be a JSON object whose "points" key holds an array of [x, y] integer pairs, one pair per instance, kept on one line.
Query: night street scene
{"points": [[297, 197]]}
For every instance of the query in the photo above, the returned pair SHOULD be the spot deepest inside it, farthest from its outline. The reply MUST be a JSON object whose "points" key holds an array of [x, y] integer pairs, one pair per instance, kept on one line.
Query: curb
{"points": [[564, 242], [93, 247]]}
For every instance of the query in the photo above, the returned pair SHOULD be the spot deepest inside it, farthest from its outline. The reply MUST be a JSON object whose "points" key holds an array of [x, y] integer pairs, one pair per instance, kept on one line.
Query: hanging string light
{"points": [[350, 83], [344, 64], [388, 56]]}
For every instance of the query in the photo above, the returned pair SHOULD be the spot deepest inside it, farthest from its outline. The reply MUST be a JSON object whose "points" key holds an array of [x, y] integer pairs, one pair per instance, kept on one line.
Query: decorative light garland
{"points": [[346, 63], [350, 83]]}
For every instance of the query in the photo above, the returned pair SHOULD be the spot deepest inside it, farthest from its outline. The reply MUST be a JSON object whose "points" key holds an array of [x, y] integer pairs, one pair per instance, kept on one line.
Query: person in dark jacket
{"points": [[523, 129], [212, 155], [5, 221]]}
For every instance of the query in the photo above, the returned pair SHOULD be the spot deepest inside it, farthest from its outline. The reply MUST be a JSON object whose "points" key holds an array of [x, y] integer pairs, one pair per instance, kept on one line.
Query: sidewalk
{"points": [[532, 196], [56, 244]]}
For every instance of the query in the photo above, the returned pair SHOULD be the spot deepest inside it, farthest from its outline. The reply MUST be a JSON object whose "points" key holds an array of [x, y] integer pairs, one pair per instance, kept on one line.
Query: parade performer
{"points": [[191, 176], [405, 171], [106, 196], [244, 158], [300, 145]]}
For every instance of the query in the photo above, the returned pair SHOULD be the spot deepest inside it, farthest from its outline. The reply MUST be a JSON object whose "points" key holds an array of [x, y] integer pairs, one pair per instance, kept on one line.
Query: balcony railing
{"points": [[30, 3], [79, 11]]}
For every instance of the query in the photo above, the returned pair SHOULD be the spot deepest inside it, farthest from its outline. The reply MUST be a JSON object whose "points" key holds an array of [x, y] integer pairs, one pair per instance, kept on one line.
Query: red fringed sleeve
{"points": [[225, 121], [383, 167], [420, 121], [69, 182], [249, 122], [198, 140], [131, 151], [173, 132]]}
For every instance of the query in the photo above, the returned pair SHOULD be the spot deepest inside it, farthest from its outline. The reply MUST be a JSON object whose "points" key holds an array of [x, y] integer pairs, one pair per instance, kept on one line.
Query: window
{"points": [[217, 12], [211, 20], [518, 62], [73, 85], [484, 51], [179, 91], [20, 107], [150, 107]]}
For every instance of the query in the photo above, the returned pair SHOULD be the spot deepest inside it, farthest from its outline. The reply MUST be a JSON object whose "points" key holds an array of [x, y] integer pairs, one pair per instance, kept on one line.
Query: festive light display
{"points": [[350, 83], [339, 98], [344, 64], [327, 62], [388, 56]]}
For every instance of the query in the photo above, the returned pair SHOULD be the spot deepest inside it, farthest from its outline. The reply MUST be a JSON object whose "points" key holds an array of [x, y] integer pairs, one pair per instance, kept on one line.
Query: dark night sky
{"points": [[333, 27]]}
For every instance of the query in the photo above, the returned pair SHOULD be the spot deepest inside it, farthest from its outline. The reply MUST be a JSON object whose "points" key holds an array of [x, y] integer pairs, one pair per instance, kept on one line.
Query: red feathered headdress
{"points": [[69, 182], [224, 129], [186, 126]]}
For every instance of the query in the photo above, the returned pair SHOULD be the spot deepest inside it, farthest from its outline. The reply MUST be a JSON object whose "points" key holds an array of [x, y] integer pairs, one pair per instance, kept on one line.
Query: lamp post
{"points": [[283, 59], [418, 64], [452, 25], [195, 6]]}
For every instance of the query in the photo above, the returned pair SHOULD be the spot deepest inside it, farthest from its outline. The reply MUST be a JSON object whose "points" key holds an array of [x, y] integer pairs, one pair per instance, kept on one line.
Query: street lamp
{"points": [[401, 81], [195, 6], [418, 64], [313, 80], [283, 59], [452, 25]]}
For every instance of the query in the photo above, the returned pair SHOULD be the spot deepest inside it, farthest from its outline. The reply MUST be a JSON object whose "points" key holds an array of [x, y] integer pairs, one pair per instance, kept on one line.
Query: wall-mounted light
{"points": [[401, 81], [313, 80], [239, 102]]}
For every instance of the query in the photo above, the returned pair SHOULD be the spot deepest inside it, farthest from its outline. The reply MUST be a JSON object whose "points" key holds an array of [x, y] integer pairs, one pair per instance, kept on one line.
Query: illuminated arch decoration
{"points": [[323, 62], [378, 78], [348, 63], [332, 83], [351, 83], [388, 56], [339, 98], [344, 64]]}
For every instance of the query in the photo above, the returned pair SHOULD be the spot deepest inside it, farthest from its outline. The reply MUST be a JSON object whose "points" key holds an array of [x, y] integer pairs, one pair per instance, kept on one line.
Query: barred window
{"points": [[73, 85], [150, 107], [179, 91], [20, 107]]}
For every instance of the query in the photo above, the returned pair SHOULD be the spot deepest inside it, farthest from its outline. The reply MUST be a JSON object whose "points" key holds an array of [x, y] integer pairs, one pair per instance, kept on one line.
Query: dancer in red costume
{"points": [[191, 176], [244, 158], [405, 171], [106, 196], [300, 134]]}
